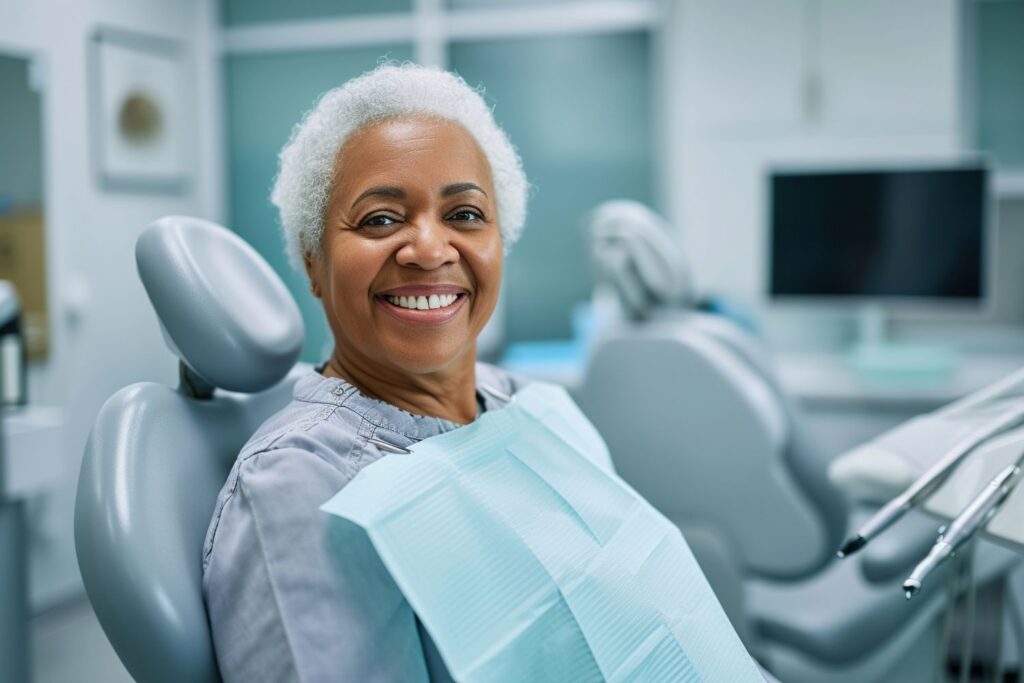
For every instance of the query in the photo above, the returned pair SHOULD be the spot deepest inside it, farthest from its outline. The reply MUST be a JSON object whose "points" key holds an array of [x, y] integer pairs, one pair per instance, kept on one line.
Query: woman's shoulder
{"points": [[310, 411], [310, 444]]}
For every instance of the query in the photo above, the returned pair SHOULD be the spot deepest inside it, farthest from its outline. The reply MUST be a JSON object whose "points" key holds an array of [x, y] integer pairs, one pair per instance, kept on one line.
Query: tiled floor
{"points": [[68, 646]]}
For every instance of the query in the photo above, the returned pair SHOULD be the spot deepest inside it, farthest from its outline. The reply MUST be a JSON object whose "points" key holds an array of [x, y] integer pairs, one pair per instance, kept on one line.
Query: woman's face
{"points": [[412, 254]]}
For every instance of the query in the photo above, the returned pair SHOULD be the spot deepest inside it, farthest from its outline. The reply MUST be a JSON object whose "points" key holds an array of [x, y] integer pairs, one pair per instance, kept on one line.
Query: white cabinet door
{"points": [[867, 67], [886, 66]]}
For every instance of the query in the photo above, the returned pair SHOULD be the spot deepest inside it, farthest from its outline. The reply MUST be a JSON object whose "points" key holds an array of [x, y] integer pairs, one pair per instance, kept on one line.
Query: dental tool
{"points": [[386, 446], [973, 517], [926, 484]]}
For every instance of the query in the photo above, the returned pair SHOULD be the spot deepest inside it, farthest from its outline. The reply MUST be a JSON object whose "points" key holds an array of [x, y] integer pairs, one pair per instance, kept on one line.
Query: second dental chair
{"points": [[697, 422]]}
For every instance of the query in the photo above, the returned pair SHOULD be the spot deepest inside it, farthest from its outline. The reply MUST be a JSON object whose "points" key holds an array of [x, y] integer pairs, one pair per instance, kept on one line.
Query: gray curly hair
{"points": [[307, 162]]}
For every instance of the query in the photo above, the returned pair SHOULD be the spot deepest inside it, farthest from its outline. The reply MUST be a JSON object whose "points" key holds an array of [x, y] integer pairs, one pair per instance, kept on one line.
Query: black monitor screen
{"points": [[878, 234]]}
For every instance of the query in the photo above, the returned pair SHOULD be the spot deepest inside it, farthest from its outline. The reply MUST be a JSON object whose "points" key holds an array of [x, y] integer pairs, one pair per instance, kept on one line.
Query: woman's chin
{"points": [[422, 360]]}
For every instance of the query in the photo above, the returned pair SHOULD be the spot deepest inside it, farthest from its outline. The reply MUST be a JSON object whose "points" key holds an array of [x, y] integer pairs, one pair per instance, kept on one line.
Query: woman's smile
{"points": [[423, 304]]}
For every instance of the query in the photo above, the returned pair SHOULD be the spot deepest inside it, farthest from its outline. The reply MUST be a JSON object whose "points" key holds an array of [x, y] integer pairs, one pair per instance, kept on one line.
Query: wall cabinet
{"points": [[837, 66]]}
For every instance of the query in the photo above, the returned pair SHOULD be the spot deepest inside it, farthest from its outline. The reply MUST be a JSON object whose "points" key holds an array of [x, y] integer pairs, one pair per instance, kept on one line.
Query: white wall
{"points": [[104, 332]]}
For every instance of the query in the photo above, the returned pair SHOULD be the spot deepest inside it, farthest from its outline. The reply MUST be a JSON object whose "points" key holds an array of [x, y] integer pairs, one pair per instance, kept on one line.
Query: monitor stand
{"points": [[878, 359]]}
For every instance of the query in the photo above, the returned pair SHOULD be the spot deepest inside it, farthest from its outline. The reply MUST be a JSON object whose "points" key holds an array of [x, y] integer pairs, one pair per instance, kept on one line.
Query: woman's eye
{"points": [[379, 220], [466, 215]]}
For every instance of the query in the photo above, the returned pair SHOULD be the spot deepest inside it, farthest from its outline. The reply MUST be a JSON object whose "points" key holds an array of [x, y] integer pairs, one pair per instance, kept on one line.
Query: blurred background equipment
{"points": [[637, 255], [24, 472], [13, 570]]}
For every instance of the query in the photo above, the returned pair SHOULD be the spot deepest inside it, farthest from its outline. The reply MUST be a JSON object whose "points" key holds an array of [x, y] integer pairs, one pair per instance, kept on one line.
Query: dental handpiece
{"points": [[929, 481], [973, 517]]}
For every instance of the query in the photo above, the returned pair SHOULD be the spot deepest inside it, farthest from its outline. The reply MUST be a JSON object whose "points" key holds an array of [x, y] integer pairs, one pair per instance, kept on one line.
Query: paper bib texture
{"points": [[528, 559]]}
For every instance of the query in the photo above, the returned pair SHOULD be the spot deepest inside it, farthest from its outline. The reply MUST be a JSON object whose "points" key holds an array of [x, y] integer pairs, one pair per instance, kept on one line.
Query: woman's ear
{"points": [[313, 272]]}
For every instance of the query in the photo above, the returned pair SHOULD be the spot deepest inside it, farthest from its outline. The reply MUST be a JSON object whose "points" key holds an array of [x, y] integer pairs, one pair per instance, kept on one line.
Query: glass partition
{"points": [[1000, 81]]}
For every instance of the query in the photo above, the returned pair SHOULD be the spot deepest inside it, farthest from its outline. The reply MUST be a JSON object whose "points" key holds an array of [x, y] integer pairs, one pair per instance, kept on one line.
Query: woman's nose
{"points": [[429, 246]]}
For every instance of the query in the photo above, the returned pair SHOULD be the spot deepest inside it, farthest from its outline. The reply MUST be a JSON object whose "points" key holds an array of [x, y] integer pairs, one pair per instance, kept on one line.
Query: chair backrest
{"points": [[157, 456], [696, 423]]}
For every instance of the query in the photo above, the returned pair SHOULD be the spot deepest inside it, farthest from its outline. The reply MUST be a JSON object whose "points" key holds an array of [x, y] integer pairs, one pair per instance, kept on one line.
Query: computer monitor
{"points": [[880, 235]]}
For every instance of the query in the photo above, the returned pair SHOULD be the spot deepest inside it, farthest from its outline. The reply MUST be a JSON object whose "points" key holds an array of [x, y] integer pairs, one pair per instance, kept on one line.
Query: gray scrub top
{"points": [[281, 600]]}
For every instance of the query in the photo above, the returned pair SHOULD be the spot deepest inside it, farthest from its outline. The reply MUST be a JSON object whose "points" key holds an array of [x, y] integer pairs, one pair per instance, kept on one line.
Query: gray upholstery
{"points": [[889, 557], [804, 463], [839, 616], [802, 615], [698, 432], [224, 311], [157, 456], [893, 555]]}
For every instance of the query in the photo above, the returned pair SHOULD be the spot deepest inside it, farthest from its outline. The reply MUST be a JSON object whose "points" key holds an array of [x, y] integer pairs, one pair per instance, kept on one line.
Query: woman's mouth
{"points": [[423, 303], [423, 309]]}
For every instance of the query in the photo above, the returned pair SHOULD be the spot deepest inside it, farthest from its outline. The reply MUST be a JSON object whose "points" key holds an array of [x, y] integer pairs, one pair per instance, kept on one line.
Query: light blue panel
{"points": [[266, 97], [21, 138], [1000, 78], [579, 110], [236, 12]]}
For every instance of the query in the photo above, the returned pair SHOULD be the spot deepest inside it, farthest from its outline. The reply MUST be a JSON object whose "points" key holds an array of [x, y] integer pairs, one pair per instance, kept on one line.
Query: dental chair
{"points": [[697, 423], [158, 456]]}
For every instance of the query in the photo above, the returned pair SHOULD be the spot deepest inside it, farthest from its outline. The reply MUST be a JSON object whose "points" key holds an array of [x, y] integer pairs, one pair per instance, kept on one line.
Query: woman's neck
{"points": [[449, 394]]}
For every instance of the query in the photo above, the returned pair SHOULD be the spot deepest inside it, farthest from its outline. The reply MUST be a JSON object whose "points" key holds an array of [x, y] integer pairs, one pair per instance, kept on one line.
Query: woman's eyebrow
{"points": [[393, 192], [456, 188]]}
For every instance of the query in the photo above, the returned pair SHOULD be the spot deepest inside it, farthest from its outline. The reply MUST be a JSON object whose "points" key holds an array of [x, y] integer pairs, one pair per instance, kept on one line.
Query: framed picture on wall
{"points": [[137, 82]]}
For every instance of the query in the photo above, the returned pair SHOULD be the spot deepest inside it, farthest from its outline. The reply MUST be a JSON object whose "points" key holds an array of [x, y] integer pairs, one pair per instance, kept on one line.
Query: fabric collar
{"points": [[317, 388]]}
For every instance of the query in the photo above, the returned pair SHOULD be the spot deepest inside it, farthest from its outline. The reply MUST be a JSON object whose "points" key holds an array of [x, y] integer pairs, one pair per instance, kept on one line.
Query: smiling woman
{"points": [[410, 217], [399, 196]]}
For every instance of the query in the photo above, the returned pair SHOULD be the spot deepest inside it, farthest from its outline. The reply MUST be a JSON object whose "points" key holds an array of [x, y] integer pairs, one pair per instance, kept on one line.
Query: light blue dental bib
{"points": [[527, 559]]}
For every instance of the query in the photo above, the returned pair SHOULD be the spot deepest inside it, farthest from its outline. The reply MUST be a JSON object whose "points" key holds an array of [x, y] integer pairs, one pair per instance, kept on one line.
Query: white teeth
{"points": [[423, 303]]}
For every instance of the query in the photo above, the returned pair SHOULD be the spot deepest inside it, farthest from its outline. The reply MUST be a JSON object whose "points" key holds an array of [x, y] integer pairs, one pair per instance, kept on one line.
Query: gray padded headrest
{"points": [[636, 252], [224, 311]]}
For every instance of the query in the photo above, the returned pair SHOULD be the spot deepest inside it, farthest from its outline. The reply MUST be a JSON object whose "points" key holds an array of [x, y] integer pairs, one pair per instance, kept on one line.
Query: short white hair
{"points": [[307, 162]]}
